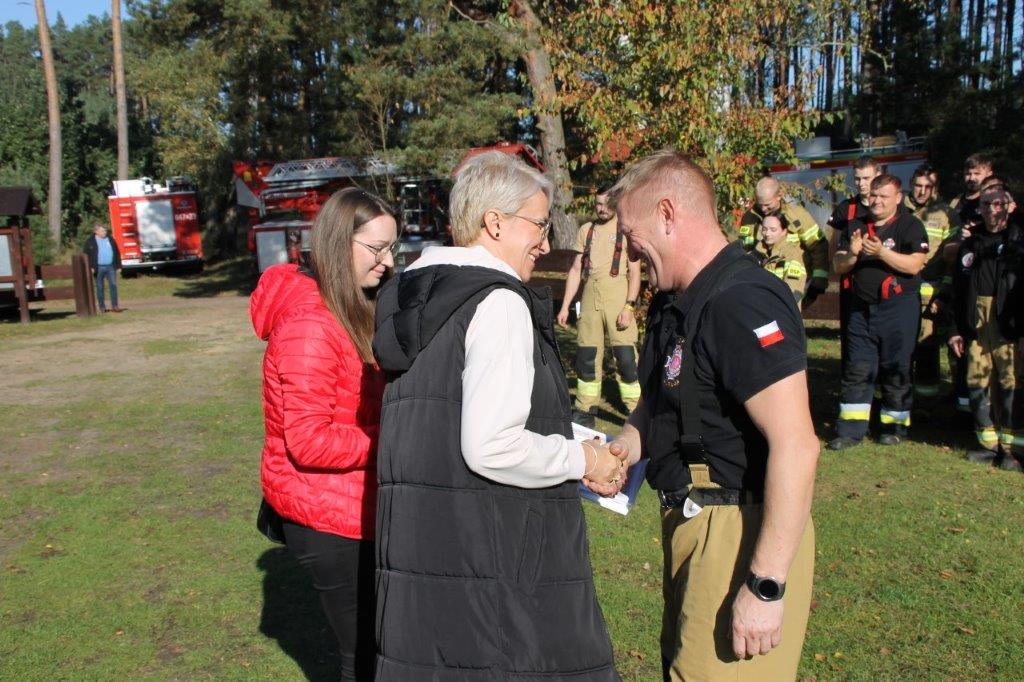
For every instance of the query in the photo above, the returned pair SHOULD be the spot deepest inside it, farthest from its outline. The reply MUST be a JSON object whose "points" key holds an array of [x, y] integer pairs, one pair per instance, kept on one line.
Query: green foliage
{"points": [[644, 76]]}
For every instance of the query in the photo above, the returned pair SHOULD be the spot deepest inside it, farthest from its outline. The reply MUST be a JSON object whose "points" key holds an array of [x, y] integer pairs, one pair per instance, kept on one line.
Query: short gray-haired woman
{"points": [[483, 569]]}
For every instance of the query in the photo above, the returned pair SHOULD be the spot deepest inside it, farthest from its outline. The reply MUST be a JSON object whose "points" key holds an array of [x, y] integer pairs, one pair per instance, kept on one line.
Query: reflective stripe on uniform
{"points": [[630, 391], [588, 388], [794, 269], [811, 234], [855, 411], [895, 417], [987, 437], [926, 390], [820, 273], [792, 238], [1018, 441], [936, 232], [1006, 437], [927, 290]]}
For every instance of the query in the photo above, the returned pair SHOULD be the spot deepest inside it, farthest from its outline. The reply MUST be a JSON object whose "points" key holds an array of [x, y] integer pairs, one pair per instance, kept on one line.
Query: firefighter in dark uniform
{"points": [[725, 422], [854, 207], [802, 229], [940, 222], [987, 273], [881, 260], [611, 284]]}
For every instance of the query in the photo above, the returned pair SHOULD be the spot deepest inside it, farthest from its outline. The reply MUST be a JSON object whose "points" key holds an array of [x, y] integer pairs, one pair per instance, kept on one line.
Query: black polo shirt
{"points": [[751, 336], [841, 216], [903, 234]]}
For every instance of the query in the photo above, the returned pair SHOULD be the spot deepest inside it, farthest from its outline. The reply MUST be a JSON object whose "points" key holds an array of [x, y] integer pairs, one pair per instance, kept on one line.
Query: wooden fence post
{"points": [[18, 270]]}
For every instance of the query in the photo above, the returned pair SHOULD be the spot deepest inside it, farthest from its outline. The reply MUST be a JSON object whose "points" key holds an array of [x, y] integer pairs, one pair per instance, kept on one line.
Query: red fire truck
{"points": [[156, 226], [281, 201]]}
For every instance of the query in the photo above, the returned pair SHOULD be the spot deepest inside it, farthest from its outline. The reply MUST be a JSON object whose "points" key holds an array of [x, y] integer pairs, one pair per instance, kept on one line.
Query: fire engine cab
{"points": [[156, 226]]}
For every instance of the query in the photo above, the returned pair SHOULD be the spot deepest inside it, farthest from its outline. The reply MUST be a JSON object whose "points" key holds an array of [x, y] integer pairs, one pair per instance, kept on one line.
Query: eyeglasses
{"points": [[381, 252], [544, 225]]}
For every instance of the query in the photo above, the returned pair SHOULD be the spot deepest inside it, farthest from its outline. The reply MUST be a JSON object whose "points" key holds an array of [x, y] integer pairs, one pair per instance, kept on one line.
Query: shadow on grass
{"points": [[229, 276], [292, 615], [9, 314], [934, 421]]}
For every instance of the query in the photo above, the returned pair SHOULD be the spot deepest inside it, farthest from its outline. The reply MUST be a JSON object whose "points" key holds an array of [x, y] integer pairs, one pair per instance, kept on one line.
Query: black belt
{"points": [[706, 496]]}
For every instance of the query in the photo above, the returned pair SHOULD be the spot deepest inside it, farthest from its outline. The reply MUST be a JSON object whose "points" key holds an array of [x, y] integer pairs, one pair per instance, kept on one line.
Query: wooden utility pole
{"points": [[122, 99]]}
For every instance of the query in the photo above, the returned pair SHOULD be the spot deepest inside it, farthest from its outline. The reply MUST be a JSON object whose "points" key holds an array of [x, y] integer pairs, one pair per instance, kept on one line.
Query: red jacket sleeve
{"points": [[312, 360]]}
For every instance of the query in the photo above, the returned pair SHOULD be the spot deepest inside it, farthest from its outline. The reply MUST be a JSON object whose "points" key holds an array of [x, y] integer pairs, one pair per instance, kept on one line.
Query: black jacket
{"points": [[1009, 255], [475, 580], [91, 250]]}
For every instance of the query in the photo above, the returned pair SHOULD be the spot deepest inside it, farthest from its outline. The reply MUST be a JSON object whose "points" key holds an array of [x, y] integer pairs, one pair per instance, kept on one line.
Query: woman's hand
{"points": [[605, 473]]}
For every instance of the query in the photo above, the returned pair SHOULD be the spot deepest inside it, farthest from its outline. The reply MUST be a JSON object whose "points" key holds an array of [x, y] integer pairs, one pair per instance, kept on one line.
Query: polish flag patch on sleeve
{"points": [[769, 334]]}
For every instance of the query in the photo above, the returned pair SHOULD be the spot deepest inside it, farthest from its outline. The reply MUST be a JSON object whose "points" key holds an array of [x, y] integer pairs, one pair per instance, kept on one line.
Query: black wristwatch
{"points": [[765, 588]]}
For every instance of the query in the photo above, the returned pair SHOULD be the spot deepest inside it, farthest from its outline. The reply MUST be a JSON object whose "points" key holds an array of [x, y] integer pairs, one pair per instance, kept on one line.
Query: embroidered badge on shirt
{"points": [[674, 363], [769, 334], [889, 243]]}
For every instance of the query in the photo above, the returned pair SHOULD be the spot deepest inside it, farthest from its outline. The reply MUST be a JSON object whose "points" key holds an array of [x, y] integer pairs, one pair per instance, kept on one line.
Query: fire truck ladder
{"points": [[308, 171], [129, 228]]}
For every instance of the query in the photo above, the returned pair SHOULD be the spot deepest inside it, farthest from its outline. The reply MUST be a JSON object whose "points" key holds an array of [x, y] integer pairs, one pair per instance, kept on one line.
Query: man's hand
{"points": [[563, 318], [620, 448], [956, 343], [624, 319], [872, 246], [606, 473], [856, 243], [756, 624]]}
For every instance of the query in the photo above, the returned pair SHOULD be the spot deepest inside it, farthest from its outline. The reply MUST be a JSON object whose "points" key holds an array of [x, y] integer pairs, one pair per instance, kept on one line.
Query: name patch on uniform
{"points": [[769, 334]]}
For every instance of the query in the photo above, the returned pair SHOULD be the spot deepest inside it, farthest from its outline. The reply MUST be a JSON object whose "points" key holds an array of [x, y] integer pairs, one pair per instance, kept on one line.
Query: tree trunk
{"points": [[549, 121], [830, 63], [53, 197], [119, 90], [1008, 46]]}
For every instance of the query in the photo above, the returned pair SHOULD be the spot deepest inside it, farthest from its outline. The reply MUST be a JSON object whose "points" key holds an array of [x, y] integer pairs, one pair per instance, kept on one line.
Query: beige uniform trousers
{"points": [[707, 559]]}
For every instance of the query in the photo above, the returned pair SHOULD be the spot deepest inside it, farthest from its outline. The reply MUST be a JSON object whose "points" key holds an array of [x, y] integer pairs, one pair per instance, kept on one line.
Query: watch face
{"points": [[769, 589]]}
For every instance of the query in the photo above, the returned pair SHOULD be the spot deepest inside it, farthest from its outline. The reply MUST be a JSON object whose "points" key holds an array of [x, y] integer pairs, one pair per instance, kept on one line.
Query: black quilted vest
{"points": [[475, 580]]}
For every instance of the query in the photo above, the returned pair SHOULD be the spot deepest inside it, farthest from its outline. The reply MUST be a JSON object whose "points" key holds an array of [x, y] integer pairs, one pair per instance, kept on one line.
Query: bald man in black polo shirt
{"points": [[725, 422]]}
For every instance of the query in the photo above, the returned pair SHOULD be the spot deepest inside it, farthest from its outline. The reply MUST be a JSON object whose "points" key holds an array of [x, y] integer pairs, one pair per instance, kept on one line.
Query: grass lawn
{"points": [[128, 492]]}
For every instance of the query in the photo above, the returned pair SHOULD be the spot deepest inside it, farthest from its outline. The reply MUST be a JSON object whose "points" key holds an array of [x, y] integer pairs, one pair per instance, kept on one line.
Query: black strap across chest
{"points": [[691, 441]]}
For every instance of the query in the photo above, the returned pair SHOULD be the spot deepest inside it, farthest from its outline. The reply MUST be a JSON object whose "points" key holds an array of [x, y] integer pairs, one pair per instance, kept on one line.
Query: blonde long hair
{"points": [[330, 244]]}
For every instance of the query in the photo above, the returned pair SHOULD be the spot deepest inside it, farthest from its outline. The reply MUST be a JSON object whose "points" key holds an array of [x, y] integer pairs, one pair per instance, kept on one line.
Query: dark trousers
{"points": [[880, 340], [106, 273], [343, 574]]}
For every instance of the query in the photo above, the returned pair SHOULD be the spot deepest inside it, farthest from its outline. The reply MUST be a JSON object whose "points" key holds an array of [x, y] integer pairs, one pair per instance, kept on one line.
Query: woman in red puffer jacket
{"points": [[321, 403]]}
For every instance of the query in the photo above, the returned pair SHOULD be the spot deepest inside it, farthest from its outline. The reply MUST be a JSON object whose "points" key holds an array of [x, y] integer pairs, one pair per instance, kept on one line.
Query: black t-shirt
{"points": [[969, 211], [903, 234], [840, 218], [986, 245], [751, 337]]}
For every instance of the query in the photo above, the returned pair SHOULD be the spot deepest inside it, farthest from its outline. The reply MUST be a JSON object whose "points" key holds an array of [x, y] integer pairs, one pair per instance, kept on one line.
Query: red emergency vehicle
{"points": [[156, 226]]}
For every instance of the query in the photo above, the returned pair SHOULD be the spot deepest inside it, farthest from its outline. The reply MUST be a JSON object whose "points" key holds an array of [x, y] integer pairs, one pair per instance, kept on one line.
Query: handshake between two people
{"points": [[606, 466]]}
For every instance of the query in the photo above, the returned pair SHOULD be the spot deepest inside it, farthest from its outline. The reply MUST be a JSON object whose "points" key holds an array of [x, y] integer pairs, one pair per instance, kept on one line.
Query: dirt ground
{"points": [[39, 369]]}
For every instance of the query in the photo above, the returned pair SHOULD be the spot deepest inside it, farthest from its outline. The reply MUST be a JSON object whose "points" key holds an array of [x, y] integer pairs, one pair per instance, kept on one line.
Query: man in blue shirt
{"points": [[105, 261]]}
